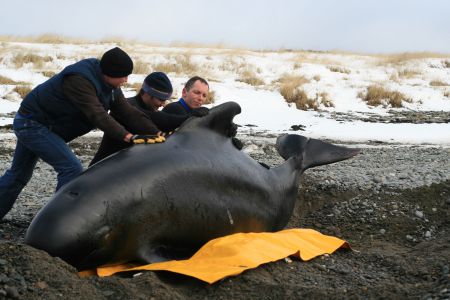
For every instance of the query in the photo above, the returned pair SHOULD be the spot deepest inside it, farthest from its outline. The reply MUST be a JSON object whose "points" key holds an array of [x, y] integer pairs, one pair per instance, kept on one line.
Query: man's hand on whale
{"points": [[146, 139]]}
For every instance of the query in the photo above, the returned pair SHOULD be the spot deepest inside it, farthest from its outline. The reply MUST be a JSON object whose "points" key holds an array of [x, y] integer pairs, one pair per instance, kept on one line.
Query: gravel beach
{"points": [[391, 203]]}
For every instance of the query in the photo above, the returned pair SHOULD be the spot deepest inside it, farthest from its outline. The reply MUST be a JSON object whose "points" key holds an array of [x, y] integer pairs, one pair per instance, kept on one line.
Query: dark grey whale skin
{"points": [[154, 202]]}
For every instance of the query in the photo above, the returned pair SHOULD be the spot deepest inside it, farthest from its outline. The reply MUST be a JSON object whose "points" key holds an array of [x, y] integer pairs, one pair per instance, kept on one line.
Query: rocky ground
{"points": [[391, 203]]}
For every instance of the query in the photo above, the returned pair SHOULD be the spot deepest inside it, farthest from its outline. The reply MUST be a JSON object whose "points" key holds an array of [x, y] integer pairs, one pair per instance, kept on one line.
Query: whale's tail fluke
{"points": [[311, 152]]}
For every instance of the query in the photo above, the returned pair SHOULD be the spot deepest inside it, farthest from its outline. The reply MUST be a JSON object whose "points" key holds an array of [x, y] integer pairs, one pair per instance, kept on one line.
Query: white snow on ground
{"points": [[263, 106]]}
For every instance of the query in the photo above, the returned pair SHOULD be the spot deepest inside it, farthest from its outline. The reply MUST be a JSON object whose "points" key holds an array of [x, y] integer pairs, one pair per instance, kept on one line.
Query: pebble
{"points": [[419, 214], [409, 237], [382, 231], [12, 292], [427, 234]]}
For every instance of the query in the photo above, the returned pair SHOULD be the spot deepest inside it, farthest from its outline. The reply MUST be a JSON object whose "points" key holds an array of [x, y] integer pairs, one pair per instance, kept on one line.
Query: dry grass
{"points": [[301, 100], [249, 77], [141, 67], [324, 99], [407, 56], [182, 65], [6, 80], [48, 73], [316, 77], [211, 98], [408, 73], [338, 69], [38, 61], [22, 90], [291, 91], [378, 95], [44, 38], [438, 83]]}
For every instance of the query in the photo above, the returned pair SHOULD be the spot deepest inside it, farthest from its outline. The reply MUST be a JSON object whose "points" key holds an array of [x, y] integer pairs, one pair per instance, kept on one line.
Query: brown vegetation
{"points": [[402, 57], [182, 65], [48, 73], [38, 61], [438, 83], [6, 80], [291, 91], [141, 67], [408, 73], [22, 90], [338, 69], [378, 95], [211, 98], [323, 98], [249, 77]]}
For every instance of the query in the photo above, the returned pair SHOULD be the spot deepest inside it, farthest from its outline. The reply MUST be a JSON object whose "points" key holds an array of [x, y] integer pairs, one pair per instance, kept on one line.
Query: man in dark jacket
{"points": [[194, 94], [68, 105]]}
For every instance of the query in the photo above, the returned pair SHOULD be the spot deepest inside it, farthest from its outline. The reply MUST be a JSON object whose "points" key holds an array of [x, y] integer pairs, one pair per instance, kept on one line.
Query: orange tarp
{"points": [[233, 254]]}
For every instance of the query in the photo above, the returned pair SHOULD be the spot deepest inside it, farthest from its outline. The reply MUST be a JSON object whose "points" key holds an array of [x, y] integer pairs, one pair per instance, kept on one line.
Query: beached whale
{"points": [[151, 202]]}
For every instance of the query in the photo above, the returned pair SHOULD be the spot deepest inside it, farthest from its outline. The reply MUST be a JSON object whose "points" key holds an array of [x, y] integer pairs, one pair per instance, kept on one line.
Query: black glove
{"points": [[200, 112], [146, 139], [237, 143]]}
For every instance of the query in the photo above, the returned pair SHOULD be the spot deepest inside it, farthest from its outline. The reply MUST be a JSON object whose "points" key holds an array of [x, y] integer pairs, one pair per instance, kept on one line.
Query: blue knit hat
{"points": [[158, 85]]}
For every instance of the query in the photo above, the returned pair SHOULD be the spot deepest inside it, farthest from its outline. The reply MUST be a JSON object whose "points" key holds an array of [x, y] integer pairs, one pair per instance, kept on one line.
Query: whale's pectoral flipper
{"points": [[312, 152], [164, 253]]}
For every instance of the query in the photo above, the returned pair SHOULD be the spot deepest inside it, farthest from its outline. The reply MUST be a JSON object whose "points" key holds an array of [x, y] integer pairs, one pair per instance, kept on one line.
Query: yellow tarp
{"points": [[233, 254]]}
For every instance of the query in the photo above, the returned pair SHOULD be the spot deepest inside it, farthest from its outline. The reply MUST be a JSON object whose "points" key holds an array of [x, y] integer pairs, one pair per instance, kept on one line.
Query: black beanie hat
{"points": [[158, 85], [116, 63]]}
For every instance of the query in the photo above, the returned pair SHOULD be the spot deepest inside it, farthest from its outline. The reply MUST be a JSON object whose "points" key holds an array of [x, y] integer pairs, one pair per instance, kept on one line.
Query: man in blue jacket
{"points": [[68, 105]]}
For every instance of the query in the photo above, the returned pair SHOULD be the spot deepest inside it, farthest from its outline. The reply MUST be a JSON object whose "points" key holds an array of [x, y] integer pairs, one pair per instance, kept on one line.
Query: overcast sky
{"points": [[371, 26]]}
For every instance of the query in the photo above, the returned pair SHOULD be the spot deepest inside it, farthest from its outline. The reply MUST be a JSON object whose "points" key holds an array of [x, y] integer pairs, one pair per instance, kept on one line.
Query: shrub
{"points": [[187, 66], [6, 80], [48, 73], [141, 67], [250, 77], [407, 73], [378, 95], [339, 69], [324, 99], [447, 64], [38, 61], [211, 97], [447, 94], [438, 83], [316, 77], [168, 68], [297, 65], [291, 92], [182, 65], [22, 90]]}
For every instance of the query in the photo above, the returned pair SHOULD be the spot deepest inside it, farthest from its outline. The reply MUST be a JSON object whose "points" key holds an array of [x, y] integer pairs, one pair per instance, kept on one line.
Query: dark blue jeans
{"points": [[35, 141]]}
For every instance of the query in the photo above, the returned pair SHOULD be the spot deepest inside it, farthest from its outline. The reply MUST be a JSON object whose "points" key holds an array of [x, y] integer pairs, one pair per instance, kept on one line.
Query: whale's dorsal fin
{"points": [[219, 119], [312, 152]]}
